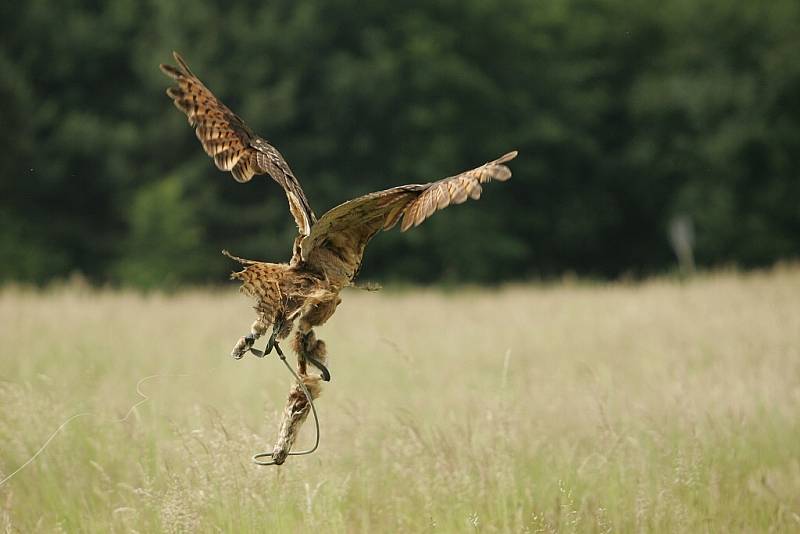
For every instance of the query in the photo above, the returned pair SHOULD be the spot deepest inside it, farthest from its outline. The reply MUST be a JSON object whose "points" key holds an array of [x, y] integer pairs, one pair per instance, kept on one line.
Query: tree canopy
{"points": [[625, 113]]}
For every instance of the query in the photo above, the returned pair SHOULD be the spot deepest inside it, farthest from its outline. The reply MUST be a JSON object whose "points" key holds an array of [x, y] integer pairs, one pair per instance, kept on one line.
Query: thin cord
{"points": [[256, 457], [44, 446], [144, 399]]}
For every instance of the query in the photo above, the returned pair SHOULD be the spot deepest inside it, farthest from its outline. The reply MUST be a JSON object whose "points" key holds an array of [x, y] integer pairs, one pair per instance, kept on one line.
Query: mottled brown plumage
{"points": [[327, 253]]}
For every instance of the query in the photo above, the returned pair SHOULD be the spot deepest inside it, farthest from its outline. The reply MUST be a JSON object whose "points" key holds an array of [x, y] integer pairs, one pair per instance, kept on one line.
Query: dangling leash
{"points": [[326, 376]]}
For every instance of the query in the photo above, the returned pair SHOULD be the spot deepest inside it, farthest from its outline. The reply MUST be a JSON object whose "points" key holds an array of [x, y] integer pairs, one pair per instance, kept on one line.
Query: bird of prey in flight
{"points": [[327, 251]]}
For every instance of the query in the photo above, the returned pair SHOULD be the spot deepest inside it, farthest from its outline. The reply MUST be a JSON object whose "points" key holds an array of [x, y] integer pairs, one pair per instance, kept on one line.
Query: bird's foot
{"points": [[244, 344]]}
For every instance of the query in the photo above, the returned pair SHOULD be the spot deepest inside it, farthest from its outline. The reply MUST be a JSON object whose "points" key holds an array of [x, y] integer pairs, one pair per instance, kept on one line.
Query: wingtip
{"points": [[172, 71], [182, 63], [501, 172], [169, 70], [508, 157]]}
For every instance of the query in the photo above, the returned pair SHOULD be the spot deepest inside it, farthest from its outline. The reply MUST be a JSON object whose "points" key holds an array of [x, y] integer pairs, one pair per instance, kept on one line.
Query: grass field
{"points": [[656, 407]]}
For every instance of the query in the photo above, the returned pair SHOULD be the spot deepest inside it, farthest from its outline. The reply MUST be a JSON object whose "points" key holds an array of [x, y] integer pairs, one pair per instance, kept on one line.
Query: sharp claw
{"points": [[326, 375], [256, 352]]}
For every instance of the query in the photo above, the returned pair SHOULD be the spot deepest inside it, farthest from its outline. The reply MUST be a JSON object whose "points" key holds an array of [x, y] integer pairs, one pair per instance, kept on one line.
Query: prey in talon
{"points": [[327, 252]]}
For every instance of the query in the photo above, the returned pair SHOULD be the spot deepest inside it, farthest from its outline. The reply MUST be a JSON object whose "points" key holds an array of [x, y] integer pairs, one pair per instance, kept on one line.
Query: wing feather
{"points": [[231, 143], [336, 243], [455, 190]]}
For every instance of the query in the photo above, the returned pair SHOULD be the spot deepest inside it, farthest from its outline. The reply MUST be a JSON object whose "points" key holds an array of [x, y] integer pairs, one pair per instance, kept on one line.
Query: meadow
{"points": [[655, 406]]}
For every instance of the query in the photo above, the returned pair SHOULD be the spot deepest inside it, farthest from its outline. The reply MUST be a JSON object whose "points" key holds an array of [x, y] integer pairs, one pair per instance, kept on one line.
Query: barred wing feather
{"points": [[337, 241], [231, 143]]}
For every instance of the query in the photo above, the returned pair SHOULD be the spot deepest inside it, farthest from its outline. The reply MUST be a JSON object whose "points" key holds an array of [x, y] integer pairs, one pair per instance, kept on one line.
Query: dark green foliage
{"points": [[165, 241], [625, 114]]}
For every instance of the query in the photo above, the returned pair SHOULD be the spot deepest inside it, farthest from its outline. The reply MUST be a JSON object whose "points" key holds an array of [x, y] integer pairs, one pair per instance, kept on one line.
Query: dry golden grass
{"points": [[591, 408]]}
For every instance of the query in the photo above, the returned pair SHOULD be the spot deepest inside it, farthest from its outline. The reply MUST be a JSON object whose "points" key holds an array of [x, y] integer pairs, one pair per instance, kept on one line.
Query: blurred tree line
{"points": [[626, 113]]}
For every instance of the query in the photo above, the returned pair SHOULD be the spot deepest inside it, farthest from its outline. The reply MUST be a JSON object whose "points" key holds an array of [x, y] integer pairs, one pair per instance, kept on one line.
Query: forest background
{"points": [[627, 115]]}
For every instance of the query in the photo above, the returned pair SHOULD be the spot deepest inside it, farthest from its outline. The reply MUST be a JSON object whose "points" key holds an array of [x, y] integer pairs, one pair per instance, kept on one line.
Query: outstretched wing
{"points": [[233, 145], [336, 243]]}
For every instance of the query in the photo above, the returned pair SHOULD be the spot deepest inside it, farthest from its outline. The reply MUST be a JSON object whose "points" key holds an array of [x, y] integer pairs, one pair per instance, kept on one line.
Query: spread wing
{"points": [[337, 241], [233, 145]]}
